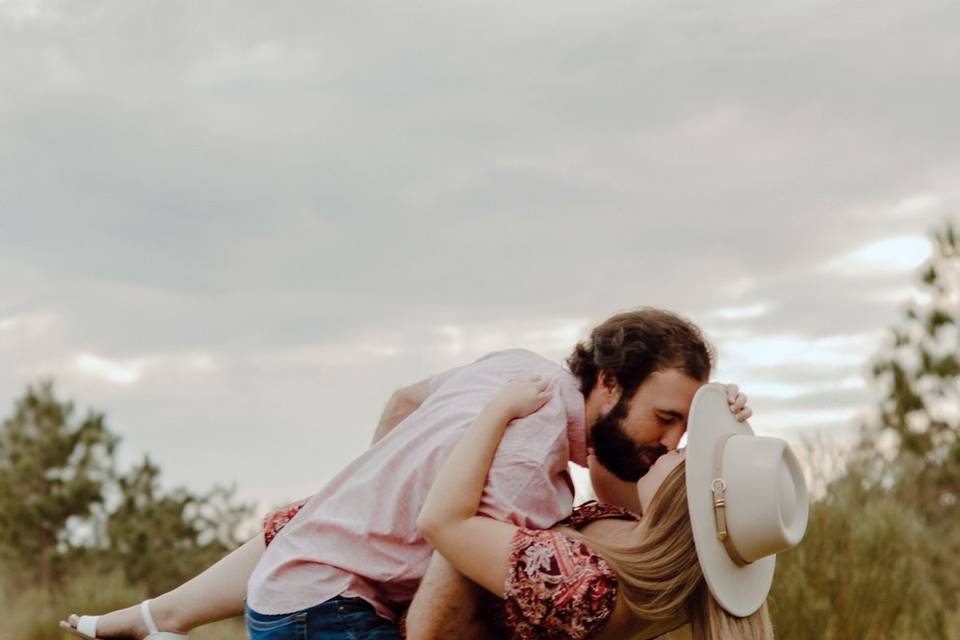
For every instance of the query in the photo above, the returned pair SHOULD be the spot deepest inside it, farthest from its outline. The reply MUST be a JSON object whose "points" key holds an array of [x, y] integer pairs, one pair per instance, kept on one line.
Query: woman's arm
{"points": [[477, 546]]}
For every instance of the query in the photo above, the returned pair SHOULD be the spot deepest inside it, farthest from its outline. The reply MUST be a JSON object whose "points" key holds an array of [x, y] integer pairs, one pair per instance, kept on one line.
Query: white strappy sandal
{"points": [[87, 627]]}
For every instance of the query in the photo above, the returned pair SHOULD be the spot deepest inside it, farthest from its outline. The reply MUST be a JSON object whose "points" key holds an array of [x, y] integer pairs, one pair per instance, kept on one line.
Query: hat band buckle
{"points": [[719, 489]]}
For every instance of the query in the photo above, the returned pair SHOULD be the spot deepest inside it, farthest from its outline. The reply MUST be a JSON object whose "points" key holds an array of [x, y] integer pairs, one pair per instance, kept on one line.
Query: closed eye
{"points": [[668, 418]]}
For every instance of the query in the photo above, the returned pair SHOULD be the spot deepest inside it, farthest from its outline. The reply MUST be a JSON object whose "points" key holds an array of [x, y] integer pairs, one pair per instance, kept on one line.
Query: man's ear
{"points": [[609, 389]]}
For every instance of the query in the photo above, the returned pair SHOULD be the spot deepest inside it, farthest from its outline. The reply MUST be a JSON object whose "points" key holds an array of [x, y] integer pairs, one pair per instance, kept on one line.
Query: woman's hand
{"points": [[737, 401], [521, 397]]}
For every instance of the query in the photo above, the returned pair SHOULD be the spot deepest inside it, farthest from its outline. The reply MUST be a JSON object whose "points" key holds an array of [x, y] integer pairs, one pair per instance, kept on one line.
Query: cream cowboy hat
{"points": [[747, 499]]}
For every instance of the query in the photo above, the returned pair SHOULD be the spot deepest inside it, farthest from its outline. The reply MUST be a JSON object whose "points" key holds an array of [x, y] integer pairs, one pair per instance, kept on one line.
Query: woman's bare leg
{"points": [[215, 594]]}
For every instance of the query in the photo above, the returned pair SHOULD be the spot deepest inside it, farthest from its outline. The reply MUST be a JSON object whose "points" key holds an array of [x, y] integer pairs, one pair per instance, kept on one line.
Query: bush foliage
{"points": [[77, 535]]}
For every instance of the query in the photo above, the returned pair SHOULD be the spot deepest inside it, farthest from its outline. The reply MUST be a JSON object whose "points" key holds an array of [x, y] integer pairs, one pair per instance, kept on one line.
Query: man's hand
{"points": [[737, 401]]}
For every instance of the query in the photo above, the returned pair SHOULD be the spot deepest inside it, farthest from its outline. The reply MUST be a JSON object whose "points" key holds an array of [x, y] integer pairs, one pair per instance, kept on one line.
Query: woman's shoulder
{"points": [[591, 511], [557, 587]]}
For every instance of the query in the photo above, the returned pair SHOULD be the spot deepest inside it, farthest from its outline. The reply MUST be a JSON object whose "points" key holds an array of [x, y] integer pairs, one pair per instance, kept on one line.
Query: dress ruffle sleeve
{"points": [[556, 587], [274, 521], [592, 511]]}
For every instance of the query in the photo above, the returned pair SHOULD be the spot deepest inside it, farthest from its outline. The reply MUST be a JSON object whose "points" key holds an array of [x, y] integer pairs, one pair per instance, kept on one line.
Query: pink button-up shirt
{"points": [[357, 537]]}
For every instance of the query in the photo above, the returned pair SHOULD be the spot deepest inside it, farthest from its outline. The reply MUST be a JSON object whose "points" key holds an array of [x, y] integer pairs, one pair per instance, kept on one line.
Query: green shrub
{"points": [[862, 571]]}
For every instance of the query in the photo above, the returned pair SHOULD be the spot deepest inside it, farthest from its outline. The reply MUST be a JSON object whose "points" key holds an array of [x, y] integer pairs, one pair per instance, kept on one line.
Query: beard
{"points": [[616, 451]]}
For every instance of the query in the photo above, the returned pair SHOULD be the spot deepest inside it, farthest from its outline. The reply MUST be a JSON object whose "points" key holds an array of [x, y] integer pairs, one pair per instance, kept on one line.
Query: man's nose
{"points": [[671, 438]]}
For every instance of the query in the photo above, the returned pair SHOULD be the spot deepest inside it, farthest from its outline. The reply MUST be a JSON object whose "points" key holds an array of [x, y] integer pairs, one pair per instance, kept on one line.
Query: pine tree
{"points": [[52, 469], [920, 376], [161, 538]]}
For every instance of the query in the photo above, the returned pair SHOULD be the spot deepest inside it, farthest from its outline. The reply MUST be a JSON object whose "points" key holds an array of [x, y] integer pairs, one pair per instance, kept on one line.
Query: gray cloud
{"points": [[270, 187]]}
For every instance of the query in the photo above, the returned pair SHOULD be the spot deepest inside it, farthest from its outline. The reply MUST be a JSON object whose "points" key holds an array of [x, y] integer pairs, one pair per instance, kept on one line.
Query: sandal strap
{"points": [[155, 633], [87, 625], [148, 617]]}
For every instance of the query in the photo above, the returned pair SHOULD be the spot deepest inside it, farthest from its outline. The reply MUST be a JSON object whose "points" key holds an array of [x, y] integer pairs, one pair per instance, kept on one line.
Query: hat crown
{"points": [[766, 498]]}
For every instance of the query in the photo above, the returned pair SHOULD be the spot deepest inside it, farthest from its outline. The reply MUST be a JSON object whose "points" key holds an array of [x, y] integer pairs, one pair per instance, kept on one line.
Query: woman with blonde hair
{"points": [[714, 517]]}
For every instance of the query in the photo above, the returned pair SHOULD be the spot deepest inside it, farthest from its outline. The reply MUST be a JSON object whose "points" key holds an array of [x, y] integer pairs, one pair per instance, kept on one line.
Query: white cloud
{"points": [[903, 253], [791, 350], [28, 327], [808, 420], [24, 12], [740, 313], [552, 337], [785, 391], [917, 205], [259, 61], [353, 353], [109, 370], [202, 362], [455, 336], [158, 367]]}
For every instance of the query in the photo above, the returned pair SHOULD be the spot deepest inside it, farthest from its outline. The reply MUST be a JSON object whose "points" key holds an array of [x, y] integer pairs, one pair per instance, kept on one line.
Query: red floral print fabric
{"points": [[275, 521], [557, 587]]}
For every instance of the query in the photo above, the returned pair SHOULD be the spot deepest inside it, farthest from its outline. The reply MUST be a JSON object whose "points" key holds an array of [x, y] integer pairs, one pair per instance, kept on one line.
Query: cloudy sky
{"points": [[236, 227]]}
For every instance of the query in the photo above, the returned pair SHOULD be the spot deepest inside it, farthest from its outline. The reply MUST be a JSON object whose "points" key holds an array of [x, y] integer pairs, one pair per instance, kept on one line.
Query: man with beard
{"points": [[349, 559]]}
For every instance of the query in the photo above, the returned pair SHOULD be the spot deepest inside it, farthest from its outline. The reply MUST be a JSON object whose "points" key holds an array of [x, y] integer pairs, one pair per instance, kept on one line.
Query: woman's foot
{"points": [[127, 623]]}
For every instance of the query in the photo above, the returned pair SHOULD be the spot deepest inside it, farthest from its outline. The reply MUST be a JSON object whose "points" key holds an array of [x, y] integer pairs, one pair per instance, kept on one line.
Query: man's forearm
{"points": [[447, 605], [402, 403], [393, 414]]}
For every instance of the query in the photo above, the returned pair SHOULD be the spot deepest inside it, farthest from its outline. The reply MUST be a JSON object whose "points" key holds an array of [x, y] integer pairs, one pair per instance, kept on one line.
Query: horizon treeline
{"points": [[881, 557]]}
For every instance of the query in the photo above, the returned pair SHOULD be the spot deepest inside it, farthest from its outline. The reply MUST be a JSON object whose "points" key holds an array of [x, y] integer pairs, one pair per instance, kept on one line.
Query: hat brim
{"points": [[739, 590]]}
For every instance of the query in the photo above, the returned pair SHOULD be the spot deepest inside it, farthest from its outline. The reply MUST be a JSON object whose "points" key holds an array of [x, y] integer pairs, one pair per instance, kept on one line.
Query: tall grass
{"points": [[866, 567], [30, 613]]}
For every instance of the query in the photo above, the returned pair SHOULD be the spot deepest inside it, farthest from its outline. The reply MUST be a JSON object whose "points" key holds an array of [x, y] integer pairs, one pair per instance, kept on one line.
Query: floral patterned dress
{"points": [[557, 588]]}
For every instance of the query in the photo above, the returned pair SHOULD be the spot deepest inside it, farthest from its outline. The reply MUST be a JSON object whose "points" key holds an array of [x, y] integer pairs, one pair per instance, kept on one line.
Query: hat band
{"points": [[719, 489]]}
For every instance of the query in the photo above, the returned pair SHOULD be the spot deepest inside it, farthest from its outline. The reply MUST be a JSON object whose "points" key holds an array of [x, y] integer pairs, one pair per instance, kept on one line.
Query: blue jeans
{"points": [[335, 619]]}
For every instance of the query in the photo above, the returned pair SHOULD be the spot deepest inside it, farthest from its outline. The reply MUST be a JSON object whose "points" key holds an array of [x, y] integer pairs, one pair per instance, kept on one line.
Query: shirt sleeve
{"points": [[437, 381], [529, 481], [556, 587]]}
